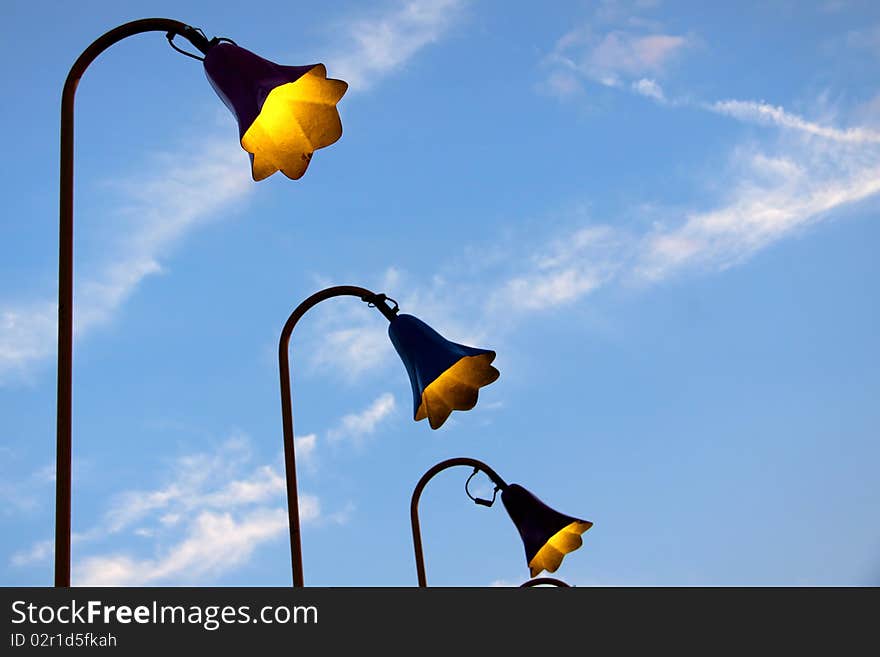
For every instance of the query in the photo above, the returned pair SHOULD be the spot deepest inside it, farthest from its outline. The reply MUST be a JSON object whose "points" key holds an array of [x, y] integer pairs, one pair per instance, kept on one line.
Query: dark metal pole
{"points": [[287, 408], [417, 493], [65, 272]]}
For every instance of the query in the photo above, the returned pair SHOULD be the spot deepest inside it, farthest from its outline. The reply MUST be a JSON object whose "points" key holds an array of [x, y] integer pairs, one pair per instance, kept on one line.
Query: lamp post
{"points": [[544, 581], [284, 114], [444, 376], [547, 535]]}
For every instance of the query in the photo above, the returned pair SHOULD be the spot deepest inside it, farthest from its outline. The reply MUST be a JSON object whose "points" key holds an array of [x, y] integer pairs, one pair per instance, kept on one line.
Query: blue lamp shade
{"points": [[445, 376], [284, 113], [546, 534]]}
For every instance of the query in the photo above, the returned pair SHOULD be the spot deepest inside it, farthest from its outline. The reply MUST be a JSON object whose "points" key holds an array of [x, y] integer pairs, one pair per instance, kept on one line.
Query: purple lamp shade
{"points": [[547, 534], [284, 113]]}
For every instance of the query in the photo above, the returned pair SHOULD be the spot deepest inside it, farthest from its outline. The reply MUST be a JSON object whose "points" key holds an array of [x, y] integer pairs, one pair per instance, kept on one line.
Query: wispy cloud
{"points": [[27, 336], [563, 270], [761, 211], [632, 62], [305, 449], [351, 350], [177, 194], [503, 583], [41, 551], [619, 46], [614, 59], [221, 505], [649, 88], [772, 192], [197, 481], [353, 339], [356, 426], [801, 173], [764, 113], [381, 44], [158, 208], [23, 493], [214, 543]]}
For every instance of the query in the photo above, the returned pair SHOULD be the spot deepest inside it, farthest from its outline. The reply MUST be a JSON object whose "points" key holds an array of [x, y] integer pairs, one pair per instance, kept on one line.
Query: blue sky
{"points": [[662, 216]]}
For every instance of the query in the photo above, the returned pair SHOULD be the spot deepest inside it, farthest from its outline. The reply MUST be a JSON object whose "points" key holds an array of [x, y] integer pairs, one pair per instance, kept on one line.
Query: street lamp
{"points": [[444, 376], [284, 114], [547, 535]]}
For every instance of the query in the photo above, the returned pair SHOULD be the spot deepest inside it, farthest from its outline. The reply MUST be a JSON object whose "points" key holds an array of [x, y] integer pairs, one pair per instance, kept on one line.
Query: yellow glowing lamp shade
{"points": [[547, 535], [297, 119], [568, 539], [456, 389], [445, 376], [284, 113]]}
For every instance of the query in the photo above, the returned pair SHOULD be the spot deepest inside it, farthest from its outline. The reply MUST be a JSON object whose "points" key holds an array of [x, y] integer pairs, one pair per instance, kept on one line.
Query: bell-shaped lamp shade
{"points": [[546, 534], [445, 376], [284, 113]]}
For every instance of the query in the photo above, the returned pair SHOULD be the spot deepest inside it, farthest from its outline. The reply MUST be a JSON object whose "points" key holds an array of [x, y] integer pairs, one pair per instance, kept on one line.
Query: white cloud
{"points": [[503, 583], [22, 493], [621, 53], [352, 339], [377, 46], [305, 449], [620, 59], [803, 174], [763, 113], [757, 215], [27, 335], [563, 271], [810, 170], [562, 83], [215, 543], [197, 480], [158, 208], [352, 350], [134, 505], [618, 46], [771, 194], [38, 552], [265, 484], [808, 173], [222, 505], [615, 58], [355, 426], [649, 88], [546, 289]]}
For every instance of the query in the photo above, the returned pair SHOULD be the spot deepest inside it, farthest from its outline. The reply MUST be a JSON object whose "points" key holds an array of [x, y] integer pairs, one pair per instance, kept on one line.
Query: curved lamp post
{"points": [[444, 376], [284, 114], [544, 581], [547, 535]]}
